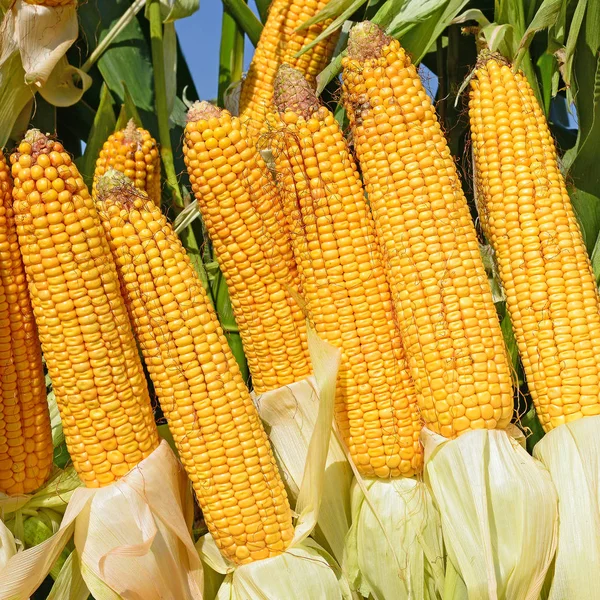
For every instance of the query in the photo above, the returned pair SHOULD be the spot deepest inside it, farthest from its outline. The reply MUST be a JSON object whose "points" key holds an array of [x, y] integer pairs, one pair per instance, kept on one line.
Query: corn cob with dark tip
{"points": [[81, 317], [240, 206], [278, 44], [527, 216], [214, 423], [26, 448], [439, 286], [134, 152], [343, 282]]}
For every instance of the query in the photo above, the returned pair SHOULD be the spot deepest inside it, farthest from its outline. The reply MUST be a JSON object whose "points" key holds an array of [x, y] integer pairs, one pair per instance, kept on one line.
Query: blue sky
{"points": [[199, 36]]}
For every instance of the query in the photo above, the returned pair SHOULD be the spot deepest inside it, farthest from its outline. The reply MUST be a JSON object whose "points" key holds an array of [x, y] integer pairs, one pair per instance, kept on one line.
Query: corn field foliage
{"points": [[124, 61]]}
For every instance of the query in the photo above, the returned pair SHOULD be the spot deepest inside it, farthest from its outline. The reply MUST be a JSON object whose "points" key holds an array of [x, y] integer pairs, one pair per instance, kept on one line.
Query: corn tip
{"points": [[366, 40], [202, 110]]}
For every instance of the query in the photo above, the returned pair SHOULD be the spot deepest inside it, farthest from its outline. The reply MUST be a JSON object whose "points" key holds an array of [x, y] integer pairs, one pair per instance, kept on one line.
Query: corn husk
{"points": [[290, 415], [395, 547], [571, 453], [499, 512], [33, 43], [305, 569], [132, 538]]}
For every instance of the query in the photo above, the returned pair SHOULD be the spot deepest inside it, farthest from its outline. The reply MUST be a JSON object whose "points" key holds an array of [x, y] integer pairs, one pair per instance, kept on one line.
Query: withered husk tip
{"points": [[292, 92], [366, 40], [202, 110]]}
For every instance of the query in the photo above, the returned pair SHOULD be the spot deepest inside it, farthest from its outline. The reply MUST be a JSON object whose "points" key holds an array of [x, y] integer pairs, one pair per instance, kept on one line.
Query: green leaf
{"points": [[410, 14], [332, 10], [419, 39], [263, 9], [547, 66], [595, 258], [582, 160], [14, 94], [511, 346], [545, 17], [472, 14], [104, 125], [353, 5], [329, 73], [572, 38], [128, 56], [587, 210], [128, 111], [170, 59], [245, 18]]}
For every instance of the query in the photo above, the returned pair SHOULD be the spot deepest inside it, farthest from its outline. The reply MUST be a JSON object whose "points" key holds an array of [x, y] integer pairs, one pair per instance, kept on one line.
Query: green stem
{"points": [[231, 55], [160, 93]]}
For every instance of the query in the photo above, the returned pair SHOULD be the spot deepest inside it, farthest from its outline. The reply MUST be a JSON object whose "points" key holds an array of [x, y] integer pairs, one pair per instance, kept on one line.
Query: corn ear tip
{"points": [[366, 41], [202, 110], [486, 55], [113, 181], [292, 92]]}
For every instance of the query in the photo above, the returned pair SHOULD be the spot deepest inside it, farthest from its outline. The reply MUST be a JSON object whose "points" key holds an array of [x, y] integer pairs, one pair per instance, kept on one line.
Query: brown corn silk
{"points": [[278, 44], [216, 428], [343, 283], [441, 295], [134, 152], [240, 206], [525, 210], [26, 448], [81, 317]]}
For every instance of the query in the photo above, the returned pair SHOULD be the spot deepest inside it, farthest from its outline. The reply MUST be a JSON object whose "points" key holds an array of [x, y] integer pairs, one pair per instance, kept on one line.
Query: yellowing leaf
{"points": [[571, 452], [498, 509]]}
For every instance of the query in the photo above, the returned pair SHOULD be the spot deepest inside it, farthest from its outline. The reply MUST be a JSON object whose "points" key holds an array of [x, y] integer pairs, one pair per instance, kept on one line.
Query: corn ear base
{"points": [[395, 547], [571, 453], [149, 508], [499, 512]]}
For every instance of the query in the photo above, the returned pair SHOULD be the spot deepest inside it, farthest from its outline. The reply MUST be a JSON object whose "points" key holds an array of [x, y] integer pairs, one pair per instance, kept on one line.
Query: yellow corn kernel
{"points": [[551, 293], [214, 423], [26, 448], [343, 281], [82, 321], [240, 206], [134, 152], [278, 44], [440, 290]]}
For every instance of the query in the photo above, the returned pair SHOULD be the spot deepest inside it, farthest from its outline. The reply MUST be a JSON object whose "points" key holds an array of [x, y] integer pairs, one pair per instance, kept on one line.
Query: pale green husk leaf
{"points": [[133, 536], [313, 464], [305, 571], [69, 584], [395, 548], [499, 512], [571, 453]]}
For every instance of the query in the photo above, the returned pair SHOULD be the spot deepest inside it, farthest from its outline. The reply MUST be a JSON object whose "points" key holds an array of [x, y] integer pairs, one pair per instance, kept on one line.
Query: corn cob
{"points": [[82, 321], [51, 3], [240, 205], [431, 255], [25, 437], [343, 282], [212, 418], [277, 45], [132, 151], [551, 294]]}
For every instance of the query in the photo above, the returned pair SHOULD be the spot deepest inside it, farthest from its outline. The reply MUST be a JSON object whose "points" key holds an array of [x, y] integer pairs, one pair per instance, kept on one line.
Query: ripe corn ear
{"points": [[134, 152], [240, 206], [543, 264], [440, 291], [343, 282], [278, 44], [82, 321], [51, 3], [26, 448], [214, 423]]}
